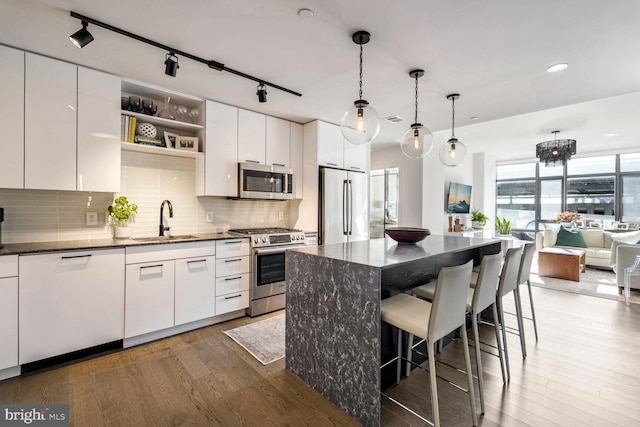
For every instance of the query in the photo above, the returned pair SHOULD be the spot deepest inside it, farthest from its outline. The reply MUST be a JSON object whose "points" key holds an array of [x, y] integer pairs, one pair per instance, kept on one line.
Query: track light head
{"points": [[82, 37], [262, 93], [171, 64]]}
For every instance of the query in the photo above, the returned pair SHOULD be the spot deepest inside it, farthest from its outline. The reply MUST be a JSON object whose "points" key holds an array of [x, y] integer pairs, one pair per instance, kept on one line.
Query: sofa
{"points": [[598, 252]]}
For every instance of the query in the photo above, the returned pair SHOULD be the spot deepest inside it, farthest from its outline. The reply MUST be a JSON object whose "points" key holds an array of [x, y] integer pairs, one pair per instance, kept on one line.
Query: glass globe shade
{"points": [[416, 142], [360, 124], [453, 152]]}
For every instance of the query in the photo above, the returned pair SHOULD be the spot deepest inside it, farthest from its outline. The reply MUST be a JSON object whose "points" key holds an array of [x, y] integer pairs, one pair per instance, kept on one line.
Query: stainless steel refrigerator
{"points": [[343, 206]]}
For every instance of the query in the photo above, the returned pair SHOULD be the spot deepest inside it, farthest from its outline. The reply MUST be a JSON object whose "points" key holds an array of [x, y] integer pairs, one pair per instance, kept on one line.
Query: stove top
{"points": [[267, 230], [272, 236]]}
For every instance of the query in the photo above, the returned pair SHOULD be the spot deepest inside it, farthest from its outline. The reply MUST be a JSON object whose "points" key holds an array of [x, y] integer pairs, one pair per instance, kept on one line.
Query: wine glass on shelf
{"points": [[194, 113], [166, 112], [181, 110]]}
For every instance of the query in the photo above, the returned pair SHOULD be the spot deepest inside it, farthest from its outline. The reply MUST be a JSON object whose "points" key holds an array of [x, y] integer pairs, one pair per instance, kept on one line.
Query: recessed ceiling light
{"points": [[609, 135], [393, 119], [305, 13], [475, 118], [557, 67]]}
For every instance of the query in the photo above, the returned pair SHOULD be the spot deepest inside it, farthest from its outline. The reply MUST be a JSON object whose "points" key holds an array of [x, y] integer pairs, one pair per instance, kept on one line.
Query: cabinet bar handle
{"points": [[277, 164], [355, 167], [235, 296], [197, 260], [150, 266], [252, 161], [332, 164], [233, 260], [233, 278], [232, 242], [76, 256]]}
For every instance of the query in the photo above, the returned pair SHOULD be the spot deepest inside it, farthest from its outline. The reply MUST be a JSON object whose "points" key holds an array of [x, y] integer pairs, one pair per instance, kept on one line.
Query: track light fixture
{"points": [[417, 141], [360, 124], [171, 64], [82, 37], [453, 152], [262, 93]]}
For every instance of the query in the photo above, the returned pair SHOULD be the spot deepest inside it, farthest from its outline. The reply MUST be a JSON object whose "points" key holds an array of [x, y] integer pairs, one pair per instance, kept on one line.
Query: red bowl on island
{"points": [[407, 234]]}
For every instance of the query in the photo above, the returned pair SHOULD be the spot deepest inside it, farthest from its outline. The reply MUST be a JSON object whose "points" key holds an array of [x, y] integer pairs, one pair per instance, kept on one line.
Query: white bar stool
{"points": [[432, 322]]}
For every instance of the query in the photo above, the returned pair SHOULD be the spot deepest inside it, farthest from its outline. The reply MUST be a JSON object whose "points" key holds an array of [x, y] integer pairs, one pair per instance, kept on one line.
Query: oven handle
{"points": [[259, 251]]}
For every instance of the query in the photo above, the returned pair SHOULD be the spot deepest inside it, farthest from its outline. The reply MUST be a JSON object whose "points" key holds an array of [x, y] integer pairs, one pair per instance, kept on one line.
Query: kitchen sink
{"points": [[165, 238]]}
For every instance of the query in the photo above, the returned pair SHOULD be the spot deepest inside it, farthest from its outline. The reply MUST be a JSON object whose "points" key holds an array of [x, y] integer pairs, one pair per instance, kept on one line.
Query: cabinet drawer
{"points": [[8, 265], [232, 248], [229, 266], [227, 285], [194, 289], [232, 302], [169, 251]]}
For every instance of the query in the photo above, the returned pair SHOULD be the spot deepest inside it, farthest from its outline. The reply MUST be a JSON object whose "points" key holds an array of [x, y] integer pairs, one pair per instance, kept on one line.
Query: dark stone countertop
{"points": [[385, 252], [71, 245]]}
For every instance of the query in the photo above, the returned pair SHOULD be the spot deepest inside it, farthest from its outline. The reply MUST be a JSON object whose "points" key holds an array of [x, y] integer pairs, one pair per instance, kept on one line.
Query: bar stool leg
{"points": [[504, 337], [399, 363], [533, 312], [476, 339], [409, 353], [496, 323], [434, 387], [518, 304], [467, 361]]}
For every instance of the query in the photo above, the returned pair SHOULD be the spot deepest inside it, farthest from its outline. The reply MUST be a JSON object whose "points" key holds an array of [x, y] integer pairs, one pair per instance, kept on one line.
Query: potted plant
{"points": [[503, 226], [478, 219], [121, 213]]}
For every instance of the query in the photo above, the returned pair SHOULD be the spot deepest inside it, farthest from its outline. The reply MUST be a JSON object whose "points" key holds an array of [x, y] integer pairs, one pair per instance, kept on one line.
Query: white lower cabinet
{"points": [[232, 275], [149, 297], [9, 311], [69, 301], [169, 285], [195, 290]]}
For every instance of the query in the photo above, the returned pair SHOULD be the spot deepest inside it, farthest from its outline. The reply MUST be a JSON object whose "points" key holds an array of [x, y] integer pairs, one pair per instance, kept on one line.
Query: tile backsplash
{"points": [[147, 180]]}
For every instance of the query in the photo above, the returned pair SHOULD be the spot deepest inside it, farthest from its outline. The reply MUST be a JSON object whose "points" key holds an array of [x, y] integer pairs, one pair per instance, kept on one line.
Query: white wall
{"points": [[484, 186], [410, 176]]}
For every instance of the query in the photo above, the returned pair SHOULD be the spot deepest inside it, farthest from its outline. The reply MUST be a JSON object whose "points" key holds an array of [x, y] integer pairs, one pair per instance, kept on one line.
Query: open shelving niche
{"points": [[157, 95]]}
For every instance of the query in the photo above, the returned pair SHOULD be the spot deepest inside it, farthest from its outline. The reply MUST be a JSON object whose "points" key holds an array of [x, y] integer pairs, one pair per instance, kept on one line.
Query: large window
{"points": [[602, 189]]}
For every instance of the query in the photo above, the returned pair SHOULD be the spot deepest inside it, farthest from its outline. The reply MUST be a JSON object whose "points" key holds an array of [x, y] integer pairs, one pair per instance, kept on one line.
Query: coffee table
{"points": [[561, 263]]}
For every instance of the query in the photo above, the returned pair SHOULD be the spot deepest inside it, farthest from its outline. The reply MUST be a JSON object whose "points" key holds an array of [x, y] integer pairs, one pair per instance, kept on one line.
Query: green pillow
{"points": [[638, 242], [570, 237]]}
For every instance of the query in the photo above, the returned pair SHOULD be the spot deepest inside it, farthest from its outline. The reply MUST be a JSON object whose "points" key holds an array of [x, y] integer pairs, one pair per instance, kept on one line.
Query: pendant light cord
{"points": [[415, 119], [360, 93], [453, 116]]}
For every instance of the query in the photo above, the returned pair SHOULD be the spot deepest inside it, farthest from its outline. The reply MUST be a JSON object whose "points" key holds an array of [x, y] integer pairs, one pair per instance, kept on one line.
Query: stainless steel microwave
{"points": [[269, 182]]}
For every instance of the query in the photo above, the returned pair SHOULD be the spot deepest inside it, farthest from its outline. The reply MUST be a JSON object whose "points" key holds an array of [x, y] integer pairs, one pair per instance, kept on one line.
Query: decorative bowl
{"points": [[407, 234]]}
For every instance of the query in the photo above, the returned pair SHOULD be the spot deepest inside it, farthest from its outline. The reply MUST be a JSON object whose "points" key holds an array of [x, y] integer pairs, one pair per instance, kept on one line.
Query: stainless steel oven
{"points": [[267, 291]]}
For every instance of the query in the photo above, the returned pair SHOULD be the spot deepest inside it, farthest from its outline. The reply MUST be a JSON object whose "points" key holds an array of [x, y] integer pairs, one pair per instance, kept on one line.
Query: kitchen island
{"points": [[335, 341]]}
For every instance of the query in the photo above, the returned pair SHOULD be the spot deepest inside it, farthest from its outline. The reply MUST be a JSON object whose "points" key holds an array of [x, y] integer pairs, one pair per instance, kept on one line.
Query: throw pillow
{"points": [[638, 242], [570, 237]]}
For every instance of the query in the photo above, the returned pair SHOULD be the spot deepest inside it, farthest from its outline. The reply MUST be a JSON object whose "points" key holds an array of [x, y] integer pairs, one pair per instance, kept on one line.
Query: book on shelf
{"points": [[132, 129], [138, 139]]}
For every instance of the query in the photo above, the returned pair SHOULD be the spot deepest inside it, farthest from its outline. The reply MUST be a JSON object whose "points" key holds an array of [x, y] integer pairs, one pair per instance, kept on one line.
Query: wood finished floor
{"points": [[584, 371]]}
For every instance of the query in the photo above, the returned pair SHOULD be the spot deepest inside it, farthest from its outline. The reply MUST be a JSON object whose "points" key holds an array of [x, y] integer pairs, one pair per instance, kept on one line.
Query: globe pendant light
{"points": [[360, 124], [417, 141], [453, 152]]}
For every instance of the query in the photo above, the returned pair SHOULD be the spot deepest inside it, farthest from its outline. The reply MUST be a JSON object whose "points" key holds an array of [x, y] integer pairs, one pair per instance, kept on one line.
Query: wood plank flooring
{"points": [[584, 371]]}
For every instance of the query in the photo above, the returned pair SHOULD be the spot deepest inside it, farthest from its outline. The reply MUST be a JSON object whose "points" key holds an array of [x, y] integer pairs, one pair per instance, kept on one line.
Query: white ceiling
{"points": [[493, 52]]}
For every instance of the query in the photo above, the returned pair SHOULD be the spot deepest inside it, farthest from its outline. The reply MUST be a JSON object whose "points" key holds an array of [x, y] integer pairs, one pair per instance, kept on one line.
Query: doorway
{"points": [[383, 201]]}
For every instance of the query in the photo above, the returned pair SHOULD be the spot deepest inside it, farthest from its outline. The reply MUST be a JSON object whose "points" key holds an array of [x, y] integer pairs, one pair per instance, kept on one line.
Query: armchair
{"points": [[625, 256]]}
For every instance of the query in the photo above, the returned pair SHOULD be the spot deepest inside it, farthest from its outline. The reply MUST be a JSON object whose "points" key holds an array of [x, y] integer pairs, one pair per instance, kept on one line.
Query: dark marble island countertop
{"points": [[335, 340], [72, 245]]}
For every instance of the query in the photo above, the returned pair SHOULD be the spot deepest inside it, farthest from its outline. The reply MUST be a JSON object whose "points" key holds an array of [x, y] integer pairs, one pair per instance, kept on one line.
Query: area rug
{"points": [[594, 282], [264, 340]]}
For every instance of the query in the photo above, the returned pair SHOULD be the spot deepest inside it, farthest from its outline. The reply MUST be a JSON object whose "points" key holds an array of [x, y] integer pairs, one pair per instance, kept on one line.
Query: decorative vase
{"points": [[476, 225], [167, 112], [122, 233]]}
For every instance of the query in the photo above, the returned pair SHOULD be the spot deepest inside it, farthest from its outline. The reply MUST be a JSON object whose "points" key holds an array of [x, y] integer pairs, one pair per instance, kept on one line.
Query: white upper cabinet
{"points": [[98, 131], [356, 157], [330, 145], [278, 142], [217, 173], [50, 124], [12, 118], [296, 158], [251, 137]]}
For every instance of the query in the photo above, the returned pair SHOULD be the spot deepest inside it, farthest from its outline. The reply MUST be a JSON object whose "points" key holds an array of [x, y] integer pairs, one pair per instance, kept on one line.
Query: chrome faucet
{"points": [[162, 227]]}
